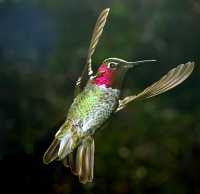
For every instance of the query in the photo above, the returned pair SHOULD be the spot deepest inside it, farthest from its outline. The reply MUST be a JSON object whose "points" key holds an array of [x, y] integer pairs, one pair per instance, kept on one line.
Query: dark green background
{"points": [[151, 147]]}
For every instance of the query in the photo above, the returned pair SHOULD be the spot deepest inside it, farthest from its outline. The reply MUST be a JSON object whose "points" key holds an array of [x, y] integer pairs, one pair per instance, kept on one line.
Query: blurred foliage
{"points": [[151, 147]]}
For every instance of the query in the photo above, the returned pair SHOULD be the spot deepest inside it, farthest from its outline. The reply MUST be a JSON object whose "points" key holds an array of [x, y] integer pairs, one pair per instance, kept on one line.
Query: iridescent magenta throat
{"points": [[104, 76]]}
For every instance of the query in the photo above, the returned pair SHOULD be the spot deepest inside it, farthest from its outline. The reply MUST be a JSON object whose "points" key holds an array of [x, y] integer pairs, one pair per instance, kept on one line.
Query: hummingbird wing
{"points": [[170, 80], [97, 32], [81, 161]]}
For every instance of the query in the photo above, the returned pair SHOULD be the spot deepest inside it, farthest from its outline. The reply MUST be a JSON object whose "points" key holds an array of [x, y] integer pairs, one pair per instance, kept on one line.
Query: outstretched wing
{"points": [[87, 70], [170, 80]]}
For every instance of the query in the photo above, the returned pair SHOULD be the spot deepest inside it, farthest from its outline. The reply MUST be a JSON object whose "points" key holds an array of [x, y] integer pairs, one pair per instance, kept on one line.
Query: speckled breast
{"points": [[92, 107]]}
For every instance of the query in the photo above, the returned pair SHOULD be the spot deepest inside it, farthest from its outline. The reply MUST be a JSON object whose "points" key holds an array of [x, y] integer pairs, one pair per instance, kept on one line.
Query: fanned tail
{"points": [[81, 161]]}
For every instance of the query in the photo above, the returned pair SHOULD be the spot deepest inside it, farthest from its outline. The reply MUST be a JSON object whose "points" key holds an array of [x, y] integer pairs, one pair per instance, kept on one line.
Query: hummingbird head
{"points": [[112, 71]]}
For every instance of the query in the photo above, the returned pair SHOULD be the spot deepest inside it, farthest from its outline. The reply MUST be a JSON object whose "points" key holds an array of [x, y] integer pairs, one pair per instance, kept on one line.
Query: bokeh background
{"points": [[151, 147]]}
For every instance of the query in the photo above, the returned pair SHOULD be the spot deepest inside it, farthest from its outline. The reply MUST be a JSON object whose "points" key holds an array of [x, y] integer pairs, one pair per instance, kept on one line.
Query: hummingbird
{"points": [[97, 97]]}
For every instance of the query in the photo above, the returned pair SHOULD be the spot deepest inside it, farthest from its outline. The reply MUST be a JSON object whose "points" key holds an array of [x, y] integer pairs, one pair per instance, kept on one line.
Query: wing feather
{"points": [[170, 80], [97, 32]]}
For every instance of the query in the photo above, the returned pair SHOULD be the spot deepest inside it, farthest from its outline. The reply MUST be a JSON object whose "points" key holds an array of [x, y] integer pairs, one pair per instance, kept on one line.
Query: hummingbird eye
{"points": [[112, 65]]}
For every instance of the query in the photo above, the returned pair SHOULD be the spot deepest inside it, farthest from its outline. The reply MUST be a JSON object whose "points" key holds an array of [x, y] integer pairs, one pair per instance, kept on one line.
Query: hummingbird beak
{"points": [[135, 63], [127, 65]]}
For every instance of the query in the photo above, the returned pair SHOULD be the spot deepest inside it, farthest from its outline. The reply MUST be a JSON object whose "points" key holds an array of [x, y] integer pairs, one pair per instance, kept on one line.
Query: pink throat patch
{"points": [[104, 76]]}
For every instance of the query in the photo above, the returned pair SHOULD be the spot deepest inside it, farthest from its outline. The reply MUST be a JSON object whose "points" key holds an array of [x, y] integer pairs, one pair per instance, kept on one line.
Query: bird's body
{"points": [[89, 110], [96, 98], [92, 107]]}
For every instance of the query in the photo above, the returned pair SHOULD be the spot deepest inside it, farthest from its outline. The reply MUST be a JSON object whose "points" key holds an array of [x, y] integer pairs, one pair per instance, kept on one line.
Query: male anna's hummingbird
{"points": [[96, 98]]}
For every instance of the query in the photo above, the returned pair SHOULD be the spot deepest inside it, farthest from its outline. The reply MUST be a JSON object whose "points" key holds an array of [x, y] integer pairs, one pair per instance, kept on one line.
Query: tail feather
{"points": [[81, 161], [66, 162], [52, 152], [59, 148], [66, 144], [70, 161], [90, 160]]}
